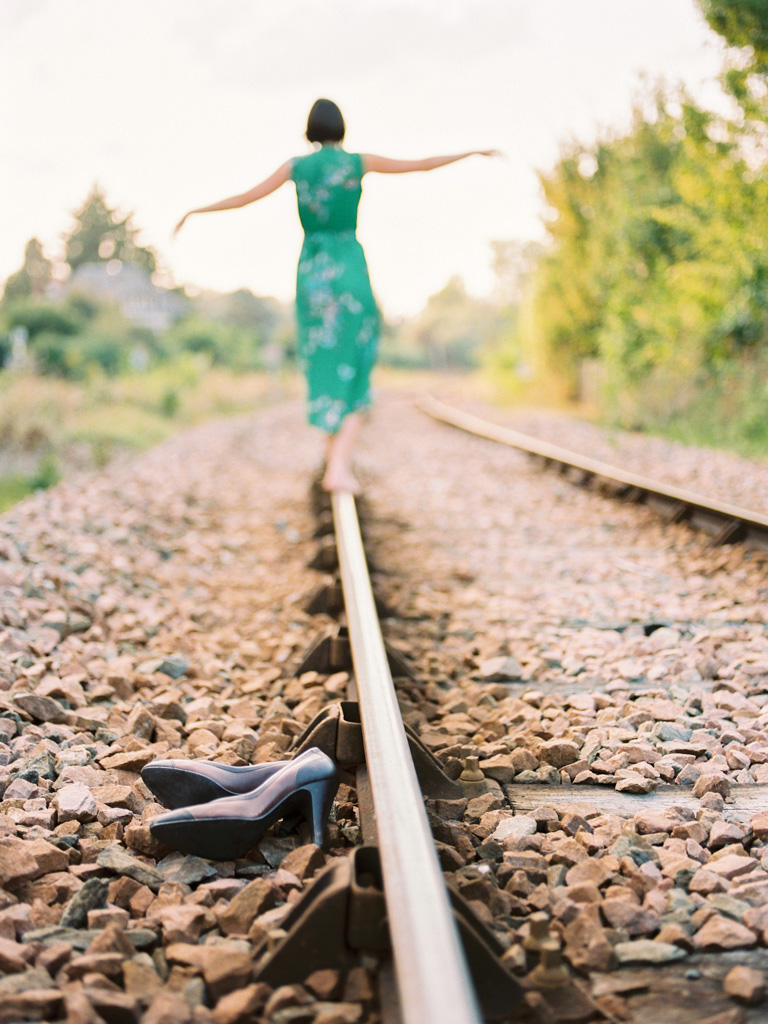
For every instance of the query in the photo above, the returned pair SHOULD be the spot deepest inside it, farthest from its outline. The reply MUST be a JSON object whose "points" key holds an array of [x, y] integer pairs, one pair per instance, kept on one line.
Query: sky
{"points": [[171, 104]]}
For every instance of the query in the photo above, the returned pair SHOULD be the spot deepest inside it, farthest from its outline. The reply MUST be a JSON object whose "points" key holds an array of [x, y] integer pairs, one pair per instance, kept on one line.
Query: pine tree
{"points": [[101, 235]]}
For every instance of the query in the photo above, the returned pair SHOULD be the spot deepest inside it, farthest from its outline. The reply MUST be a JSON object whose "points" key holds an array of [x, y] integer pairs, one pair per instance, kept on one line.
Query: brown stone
{"points": [[721, 932], [117, 796], [141, 981], [631, 919], [78, 1007], [648, 822], [674, 934], [140, 902], [184, 922], [224, 966], [337, 1013], [112, 940], [706, 882], [168, 1007], [108, 964], [745, 984], [238, 1007], [25, 859], [75, 803], [35, 1004], [137, 836], [559, 752], [41, 709], [633, 782], [523, 760], [13, 956], [690, 830], [591, 871], [121, 890], [586, 945], [358, 987], [108, 915], [723, 833], [54, 957], [246, 906], [583, 893], [325, 984], [131, 760], [304, 861], [715, 782], [114, 1006], [226, 970], [731, 865], [499, 767]]}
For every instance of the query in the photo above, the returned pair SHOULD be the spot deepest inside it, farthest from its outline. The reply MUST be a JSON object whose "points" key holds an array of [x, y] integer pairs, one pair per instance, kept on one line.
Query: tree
{"points": [[33, 277], [658, 255], [453, 327], [741, 23], [101, 235]]}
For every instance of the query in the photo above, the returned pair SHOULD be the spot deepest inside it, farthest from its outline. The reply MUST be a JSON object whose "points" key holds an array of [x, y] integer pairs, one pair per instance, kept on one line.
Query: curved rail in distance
{"points": [[432, 975], [728, 522]]}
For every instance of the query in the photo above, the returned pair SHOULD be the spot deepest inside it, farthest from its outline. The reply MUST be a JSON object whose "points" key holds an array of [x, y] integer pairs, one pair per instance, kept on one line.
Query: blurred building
{"points": [[131, 288]]}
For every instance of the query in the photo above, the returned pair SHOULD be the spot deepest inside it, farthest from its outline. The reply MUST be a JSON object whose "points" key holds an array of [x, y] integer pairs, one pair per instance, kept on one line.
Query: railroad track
{"points": [[445, 966], [514, 935], [726, 523]]}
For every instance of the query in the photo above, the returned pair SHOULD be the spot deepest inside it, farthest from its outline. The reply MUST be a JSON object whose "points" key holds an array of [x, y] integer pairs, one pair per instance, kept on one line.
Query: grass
{"points": [[16, 486], [49, 427]]}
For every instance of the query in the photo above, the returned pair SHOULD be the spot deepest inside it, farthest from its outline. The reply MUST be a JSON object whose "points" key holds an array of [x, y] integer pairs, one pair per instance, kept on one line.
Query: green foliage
{"points": [[15, 486], [47, 474], [741, 23], [100, 234], [727, 408], [33, 277], [658, 255], [54, 355], [169, 403], [449, 333], [42, 318], [222, 344], [71, 339]]}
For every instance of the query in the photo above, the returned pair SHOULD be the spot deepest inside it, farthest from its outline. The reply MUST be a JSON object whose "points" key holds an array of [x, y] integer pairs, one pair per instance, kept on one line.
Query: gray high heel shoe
{"points": [[226, 829], [181, 783]]}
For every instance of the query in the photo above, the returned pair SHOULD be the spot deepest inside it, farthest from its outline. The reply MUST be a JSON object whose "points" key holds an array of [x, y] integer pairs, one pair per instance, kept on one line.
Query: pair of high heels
{"points": [[220, 811]]}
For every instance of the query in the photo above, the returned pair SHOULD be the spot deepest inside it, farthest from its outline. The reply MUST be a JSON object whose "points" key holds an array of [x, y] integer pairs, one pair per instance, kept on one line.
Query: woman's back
{"points": [[328, 189]]}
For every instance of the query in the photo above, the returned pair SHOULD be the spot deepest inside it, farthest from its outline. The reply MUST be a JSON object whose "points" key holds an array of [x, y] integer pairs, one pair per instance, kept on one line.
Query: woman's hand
{"points": [[179, 226]]}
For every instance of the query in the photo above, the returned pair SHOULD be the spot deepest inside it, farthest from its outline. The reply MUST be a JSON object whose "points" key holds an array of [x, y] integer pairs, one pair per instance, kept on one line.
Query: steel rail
{"points": [[697, 508], [433, 980]]}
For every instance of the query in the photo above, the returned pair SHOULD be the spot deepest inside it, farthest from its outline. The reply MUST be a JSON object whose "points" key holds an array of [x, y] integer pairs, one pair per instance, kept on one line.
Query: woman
{"points": [[338, 320]]}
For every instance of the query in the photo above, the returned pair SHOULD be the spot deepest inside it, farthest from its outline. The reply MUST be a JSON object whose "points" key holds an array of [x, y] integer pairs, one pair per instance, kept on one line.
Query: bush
{"points": [[52, 354], [221, 344], [47, 474], [110, 353], [169, 403], [42, 319]]}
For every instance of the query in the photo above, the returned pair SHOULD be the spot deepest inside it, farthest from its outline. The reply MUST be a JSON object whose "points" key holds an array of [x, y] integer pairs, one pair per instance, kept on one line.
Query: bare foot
{"points": [[336, 481]]}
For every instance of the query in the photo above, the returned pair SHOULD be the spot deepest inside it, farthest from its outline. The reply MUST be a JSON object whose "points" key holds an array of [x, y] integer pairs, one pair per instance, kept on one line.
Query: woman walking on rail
{"points": [[338, 321]]}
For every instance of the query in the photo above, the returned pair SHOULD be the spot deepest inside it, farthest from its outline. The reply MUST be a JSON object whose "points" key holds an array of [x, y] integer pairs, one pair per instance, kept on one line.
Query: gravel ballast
{"points": [[574, 646]]}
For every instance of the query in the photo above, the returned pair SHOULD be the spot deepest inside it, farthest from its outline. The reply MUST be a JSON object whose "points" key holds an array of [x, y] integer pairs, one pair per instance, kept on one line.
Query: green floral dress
{"points": [[338, 321]]}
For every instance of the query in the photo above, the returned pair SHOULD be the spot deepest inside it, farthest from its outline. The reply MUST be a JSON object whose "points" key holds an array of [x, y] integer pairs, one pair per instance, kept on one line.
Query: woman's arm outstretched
{"points": [[385, 165], [264, 188]]}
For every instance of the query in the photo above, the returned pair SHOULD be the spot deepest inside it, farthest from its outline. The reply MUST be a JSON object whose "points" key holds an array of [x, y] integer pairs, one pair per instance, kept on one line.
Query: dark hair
{"points": [[325, 122]]}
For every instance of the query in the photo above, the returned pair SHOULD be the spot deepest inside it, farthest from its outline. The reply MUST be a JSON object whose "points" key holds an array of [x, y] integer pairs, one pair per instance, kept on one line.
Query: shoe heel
{"points": [[320, 801]]}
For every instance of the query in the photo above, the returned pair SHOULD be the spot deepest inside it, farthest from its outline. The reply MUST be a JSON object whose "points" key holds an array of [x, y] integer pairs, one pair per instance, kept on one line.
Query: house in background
{"points": [[131, 288]]}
